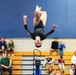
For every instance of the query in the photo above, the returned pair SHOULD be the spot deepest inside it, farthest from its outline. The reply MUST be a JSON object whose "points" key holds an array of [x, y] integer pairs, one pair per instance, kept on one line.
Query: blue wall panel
{"points": [[60, 12]]}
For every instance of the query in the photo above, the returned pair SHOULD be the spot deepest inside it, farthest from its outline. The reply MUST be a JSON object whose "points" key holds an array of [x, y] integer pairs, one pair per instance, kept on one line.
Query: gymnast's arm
{"points": [[26, 28], [49, 33], [52, 30], [25, 25]]}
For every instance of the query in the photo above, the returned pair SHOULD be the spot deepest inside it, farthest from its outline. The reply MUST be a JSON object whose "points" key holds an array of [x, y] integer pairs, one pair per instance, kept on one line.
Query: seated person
{"points": [[0, 41], [61, 46], [54, 46], [61, 63], [10, 49], [72, 70], [3, 43], [54, 72], [50, 70], [75, 72], [73, 60], [1, 72], [48, 61], [62, 73], [6, 63], [2, 50]]}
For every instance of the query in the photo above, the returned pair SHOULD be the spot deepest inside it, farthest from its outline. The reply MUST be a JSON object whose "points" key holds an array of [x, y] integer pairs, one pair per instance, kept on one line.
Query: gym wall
{"points": [[60, 12]]}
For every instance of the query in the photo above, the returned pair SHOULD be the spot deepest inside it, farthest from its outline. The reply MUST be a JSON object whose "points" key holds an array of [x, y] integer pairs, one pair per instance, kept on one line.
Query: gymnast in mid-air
{"points": [[39, 23]]}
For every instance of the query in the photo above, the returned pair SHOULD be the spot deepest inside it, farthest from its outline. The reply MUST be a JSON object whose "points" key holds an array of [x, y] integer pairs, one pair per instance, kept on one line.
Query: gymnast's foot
{"points": [[38, 8]]}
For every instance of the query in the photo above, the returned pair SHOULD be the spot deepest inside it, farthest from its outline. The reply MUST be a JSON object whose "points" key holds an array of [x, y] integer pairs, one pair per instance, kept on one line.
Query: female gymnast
{"points": [[39, 23]]}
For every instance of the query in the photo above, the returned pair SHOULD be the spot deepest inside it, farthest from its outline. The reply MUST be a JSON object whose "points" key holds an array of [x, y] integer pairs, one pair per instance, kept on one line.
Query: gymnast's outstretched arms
{"points": [[39, 23]]}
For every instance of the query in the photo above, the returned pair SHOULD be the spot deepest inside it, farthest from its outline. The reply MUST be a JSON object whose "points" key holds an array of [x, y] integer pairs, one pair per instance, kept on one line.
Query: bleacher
{"points": [[67, 56], [17, 61]]}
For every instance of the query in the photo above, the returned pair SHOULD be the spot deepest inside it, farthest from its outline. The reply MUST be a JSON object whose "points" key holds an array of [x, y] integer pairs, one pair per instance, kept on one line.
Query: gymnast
{"points": [[39, 23]]}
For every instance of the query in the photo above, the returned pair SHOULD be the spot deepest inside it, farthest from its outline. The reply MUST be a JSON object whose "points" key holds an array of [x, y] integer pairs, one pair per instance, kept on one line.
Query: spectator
{"points": [[2, 50], [73, 60], [6, 64], [50, 70], [61, 63], [72, 70], [0, 43], [10, 48], [61, 46], [54, 46], [48, 61], [62, 73], [3, 43], [54, 72], [1, 72], [75, 71]]}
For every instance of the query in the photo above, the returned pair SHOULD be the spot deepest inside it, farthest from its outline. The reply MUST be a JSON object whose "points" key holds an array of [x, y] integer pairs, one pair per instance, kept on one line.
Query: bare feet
{"points": [[37, 12], [38, 8]]}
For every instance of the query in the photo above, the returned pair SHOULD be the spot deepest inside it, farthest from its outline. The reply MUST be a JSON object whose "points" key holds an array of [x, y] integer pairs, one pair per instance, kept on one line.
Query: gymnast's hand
{"points": [[54, 27], [25, 19]]}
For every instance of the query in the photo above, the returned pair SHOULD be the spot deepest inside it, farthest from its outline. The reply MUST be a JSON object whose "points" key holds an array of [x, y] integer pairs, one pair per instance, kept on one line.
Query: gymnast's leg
{"points": [[39, 15]]}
